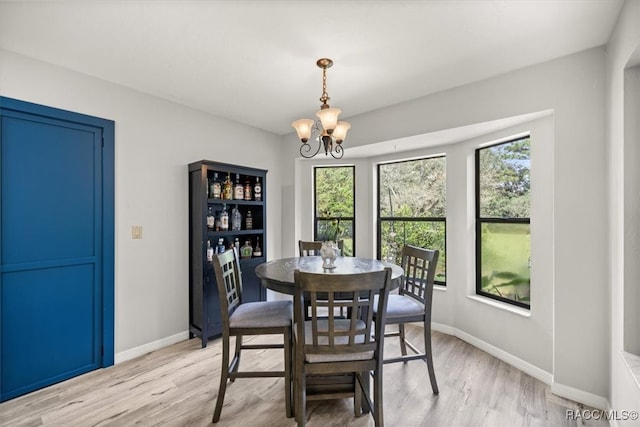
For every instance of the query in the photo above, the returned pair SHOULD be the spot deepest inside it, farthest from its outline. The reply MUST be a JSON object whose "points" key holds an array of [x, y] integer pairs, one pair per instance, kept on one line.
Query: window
{"points": [[503, 233], [334, 217], [412, 209]]}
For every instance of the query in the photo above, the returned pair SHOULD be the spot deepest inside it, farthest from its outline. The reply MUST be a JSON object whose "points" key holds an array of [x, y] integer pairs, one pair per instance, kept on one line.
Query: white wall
{"points": [[576, 352], [154, 142], [623, 45]]}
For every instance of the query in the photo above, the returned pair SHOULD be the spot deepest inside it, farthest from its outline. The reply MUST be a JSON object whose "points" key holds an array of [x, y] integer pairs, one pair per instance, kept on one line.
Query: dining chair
{"points": [[252, 318], [310, 248], [327, 347], [413, 304]]}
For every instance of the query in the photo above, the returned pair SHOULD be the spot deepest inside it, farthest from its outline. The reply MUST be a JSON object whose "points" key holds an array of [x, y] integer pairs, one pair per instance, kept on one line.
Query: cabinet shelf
{"points": [[254, 260], [204, 301], [234, 202], [234, 233]]}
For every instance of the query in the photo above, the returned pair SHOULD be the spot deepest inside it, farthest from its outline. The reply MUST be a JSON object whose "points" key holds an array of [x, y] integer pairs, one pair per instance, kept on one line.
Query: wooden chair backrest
{"points": [[309, 248], [325, 292], [419, 266], [229, 281]]}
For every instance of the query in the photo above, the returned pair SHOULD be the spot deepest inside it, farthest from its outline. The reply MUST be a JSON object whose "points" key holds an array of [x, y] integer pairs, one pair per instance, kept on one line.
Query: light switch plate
{"points": [[136, 232]]}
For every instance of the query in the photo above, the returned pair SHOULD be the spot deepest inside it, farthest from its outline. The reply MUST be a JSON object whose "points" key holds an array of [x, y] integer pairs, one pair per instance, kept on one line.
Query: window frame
{"points": [[479, 221], [317, 219], [381, 219]]}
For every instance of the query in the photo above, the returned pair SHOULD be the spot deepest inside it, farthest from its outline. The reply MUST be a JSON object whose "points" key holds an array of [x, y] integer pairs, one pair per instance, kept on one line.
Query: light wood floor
{"points": [[177, 386]]}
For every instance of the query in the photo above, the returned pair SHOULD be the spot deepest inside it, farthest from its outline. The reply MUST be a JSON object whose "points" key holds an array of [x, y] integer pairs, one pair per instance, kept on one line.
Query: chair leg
{"points": [[403, 345], [357, 396], [224, 375], [287, 371], [378, 411], [236, 356], [300, 392], [429, 358]]}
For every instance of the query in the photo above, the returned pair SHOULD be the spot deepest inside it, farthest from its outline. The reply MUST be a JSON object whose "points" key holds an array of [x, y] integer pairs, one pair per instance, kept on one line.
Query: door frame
{"points": [[108, 208]]}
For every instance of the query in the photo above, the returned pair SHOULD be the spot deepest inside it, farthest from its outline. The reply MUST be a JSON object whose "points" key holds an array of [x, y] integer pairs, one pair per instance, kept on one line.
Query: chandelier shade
{"points": [[303, 128], [340, 132], [329, 118], [327, 131]]}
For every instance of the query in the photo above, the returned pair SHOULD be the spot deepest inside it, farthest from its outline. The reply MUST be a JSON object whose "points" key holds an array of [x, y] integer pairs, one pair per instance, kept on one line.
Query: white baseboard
{"points": [[146, 348], [581, 396], [567, 392], [506, 357]]}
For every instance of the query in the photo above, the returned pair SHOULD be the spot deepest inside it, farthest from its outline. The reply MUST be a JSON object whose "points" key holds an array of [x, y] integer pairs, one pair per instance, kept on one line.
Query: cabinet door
{"points": [[252, 289], [212, 304]]}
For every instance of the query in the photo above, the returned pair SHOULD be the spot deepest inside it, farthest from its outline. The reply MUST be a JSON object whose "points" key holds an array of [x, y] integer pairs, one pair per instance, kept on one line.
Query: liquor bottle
{"points": [[249, 221], [238, 189], [224, 219], [257, 189], [236, 247], [227, 188], [220, 248], [257, 252], [216, 187], [211, 221], [209, 251], [246, 250], [236, 219], [248, 191]]}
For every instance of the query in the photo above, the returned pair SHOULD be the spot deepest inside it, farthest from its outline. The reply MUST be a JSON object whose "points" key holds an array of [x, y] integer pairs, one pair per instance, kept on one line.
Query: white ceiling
{"points": [[254, 61]]}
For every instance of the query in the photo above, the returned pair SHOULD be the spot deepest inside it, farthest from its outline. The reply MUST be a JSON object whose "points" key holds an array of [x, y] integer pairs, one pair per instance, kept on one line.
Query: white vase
{"points": [[329, 252]]}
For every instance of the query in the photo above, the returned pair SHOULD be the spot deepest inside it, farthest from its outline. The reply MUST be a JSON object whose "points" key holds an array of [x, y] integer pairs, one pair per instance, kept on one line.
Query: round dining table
{"points": [[277, 275]]}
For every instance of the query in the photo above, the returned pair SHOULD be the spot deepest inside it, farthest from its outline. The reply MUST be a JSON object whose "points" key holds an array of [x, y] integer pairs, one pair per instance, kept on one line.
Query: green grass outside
{"points": [[506, 251]]}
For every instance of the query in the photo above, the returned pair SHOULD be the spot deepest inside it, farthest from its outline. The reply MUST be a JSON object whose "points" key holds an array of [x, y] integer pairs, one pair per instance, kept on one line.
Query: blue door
{"points": [[56, 246]]}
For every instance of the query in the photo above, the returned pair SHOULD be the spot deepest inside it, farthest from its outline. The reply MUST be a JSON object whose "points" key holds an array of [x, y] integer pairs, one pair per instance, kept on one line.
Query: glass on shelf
{"points": [[224, 219], [210, 219], [249, 221], [257, 190], [257, 252], [209, 251], [220, 248], [227, 188], [236, 219], [238, 189], [246, 251], [215, 191], [248, 190]]}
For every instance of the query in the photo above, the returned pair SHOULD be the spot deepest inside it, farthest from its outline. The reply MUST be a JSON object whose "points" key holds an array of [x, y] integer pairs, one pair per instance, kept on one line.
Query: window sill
{"points": [[633, 364], [501, 305], [439, 288]]}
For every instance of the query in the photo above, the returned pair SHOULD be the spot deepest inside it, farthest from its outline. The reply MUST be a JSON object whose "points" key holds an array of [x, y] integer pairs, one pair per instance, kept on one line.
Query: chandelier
{"points": [[328, 132]]}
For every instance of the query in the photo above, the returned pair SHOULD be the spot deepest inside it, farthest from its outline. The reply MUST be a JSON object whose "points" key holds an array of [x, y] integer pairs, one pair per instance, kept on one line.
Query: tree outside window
{"points": [[412, 209], [334, 190], [503, 232]]}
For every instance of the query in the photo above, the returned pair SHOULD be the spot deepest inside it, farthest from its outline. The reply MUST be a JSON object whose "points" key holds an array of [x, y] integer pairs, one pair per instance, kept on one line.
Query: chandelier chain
{"points": [[325, 96]]}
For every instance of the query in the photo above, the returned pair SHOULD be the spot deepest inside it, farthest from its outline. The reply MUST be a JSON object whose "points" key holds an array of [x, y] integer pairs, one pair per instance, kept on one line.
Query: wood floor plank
{"points": [[177, 386]]}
